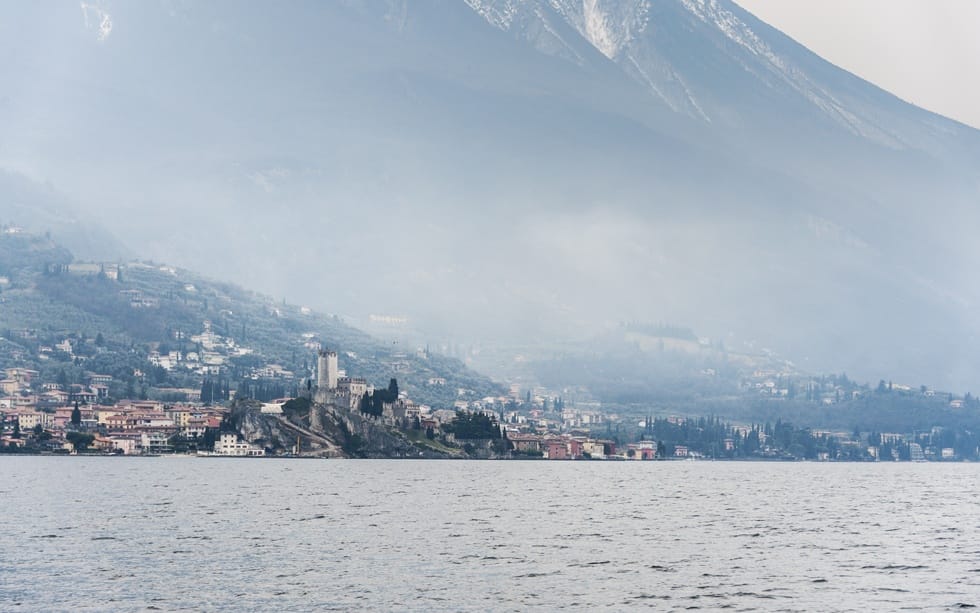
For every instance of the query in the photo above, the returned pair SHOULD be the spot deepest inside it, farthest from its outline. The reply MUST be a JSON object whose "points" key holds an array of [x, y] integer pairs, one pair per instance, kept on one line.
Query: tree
{"points": [[76, 415], [393, 389], [80, 441], [16, 433], [99, 340]]}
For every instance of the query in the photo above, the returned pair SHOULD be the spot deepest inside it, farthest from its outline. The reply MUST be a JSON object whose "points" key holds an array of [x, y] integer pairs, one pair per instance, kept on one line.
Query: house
{"points": [[179, 416], [195, 427], [24, 375], [97, 379], [595, 449], [23, 401], [155, 442], [228, 444], [525, 442], [27, 420], [128, 443], [557, 450], [644, 450], [101, 391], [57, 397]]}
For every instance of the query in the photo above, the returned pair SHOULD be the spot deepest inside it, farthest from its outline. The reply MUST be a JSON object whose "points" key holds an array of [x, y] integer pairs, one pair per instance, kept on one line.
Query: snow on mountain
{"points": [[650, 41], [512, 168]]}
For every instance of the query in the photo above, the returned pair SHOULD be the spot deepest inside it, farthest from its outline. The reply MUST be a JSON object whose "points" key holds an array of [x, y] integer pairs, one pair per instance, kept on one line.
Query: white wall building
{"points": [[229, 444]]}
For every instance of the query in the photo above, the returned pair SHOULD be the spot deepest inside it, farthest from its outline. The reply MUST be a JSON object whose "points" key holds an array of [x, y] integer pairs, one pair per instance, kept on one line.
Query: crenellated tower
{"points": [[326, 370]]}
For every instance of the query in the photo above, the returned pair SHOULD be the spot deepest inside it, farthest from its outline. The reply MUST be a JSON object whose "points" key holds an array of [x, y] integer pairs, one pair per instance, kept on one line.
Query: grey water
{"points": [[118, 534]]}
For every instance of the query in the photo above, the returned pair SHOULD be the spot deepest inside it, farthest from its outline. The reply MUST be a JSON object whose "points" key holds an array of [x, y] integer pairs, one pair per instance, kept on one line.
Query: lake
{"points": [[133, 534]]}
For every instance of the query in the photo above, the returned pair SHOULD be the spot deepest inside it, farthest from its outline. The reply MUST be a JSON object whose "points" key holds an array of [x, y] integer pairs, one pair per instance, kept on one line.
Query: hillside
{"points": [[174, 329]]}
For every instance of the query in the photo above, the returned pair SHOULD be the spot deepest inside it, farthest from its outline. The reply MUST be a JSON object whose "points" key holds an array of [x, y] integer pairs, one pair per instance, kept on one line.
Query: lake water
{"points": [[243, 534]]}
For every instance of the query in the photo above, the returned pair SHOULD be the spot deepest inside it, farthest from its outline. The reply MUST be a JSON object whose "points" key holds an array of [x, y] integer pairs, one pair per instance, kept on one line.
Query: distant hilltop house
{"points": [[83, 269], [388, 320], [137, 300]]}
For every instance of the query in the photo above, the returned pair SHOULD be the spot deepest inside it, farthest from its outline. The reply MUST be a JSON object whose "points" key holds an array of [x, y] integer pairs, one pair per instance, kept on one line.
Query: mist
{"points": [[505, 182]]}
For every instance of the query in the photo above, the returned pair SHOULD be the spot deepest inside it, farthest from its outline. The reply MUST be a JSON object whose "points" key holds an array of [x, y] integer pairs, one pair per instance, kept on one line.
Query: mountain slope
{"points": [[59, 315], [516, 169]]}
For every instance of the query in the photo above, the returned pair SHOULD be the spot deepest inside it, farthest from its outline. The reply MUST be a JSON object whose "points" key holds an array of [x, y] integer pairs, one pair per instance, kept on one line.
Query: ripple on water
{"points": [[419, 535]]}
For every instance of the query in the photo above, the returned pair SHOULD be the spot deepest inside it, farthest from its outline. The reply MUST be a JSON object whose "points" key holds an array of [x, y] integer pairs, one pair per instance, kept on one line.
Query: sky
{"points": [[924, 51]]}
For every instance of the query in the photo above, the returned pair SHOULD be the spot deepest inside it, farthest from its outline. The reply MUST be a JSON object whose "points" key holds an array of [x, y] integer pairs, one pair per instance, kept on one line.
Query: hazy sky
{"points": [[924, 51]]}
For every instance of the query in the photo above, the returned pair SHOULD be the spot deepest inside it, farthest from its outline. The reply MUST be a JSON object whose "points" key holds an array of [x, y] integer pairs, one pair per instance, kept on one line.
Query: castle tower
{"points": [[326, 370]]}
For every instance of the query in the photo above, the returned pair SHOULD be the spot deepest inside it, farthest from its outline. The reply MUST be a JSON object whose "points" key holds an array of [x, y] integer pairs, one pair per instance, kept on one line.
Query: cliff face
{"points": [[326, 430]]}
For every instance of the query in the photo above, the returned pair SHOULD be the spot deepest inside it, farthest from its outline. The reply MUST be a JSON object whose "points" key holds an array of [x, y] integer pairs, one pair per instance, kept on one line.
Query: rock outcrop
{"points": [[314, 429]]}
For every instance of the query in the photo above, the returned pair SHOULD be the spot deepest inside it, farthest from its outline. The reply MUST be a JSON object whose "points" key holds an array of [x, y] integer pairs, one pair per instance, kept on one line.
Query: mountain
{"points": [[510, 170]]}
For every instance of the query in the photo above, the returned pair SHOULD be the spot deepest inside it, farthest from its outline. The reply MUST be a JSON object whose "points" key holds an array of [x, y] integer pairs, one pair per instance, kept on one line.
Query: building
{"points": [[355, 386], [644, 450], [27, 420], [557, 450], [155, 442], [326, 370], [228, 444], [526, 443]]}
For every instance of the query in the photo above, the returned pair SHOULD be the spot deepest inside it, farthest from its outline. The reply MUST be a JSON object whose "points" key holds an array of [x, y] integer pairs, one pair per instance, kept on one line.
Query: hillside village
{"points": [[142, 358], [41, 417]]}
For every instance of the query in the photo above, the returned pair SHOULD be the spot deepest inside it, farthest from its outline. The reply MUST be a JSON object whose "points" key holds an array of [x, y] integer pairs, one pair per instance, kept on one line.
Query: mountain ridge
{"points": [[498, 185]]}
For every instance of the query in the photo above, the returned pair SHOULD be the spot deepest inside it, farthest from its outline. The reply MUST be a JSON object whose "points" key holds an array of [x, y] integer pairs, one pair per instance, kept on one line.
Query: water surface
{"points": [[95, 534]]}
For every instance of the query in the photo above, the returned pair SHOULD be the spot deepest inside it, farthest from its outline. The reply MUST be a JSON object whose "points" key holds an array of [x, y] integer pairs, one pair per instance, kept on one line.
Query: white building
{"points": [[228, 444]]}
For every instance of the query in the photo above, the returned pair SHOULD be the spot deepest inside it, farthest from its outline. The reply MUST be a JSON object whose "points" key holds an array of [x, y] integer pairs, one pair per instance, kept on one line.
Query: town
{"points": [[47, 417], [140, 358]]}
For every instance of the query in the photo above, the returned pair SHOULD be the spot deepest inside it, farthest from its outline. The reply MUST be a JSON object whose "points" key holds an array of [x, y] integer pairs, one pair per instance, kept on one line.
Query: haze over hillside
{"points": [[511, 169]]}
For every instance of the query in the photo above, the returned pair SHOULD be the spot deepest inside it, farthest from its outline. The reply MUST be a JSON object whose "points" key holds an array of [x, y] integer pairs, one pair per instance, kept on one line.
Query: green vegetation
{"points": [[468, 425], [79, 440], [423, 440], [373, 404], [115, 326]]}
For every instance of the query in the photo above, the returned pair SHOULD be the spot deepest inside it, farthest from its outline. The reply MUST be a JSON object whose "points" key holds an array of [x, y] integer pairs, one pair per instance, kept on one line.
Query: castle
{"points": [[334, 388], [341, 391]]}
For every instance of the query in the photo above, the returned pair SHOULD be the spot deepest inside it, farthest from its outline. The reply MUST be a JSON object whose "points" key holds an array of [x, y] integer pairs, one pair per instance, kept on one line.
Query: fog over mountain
{"points": [[512, 169]]}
